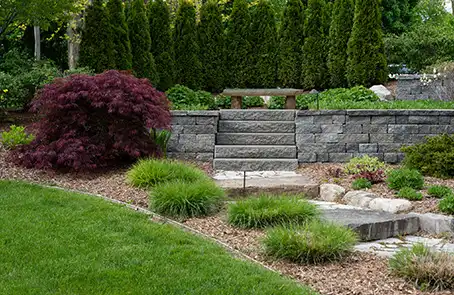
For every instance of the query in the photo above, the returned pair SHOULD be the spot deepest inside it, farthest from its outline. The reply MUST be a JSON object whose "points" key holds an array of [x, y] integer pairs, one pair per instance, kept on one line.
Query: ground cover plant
{"points": [[271, 210], [182, 199], [90, 122], [15, 137], [363, 164], [446, 205], [312, 242], [400, 178], [361, 183], [85, 245], [439, 191], [409, 194], [424, 267], [150, 172]]}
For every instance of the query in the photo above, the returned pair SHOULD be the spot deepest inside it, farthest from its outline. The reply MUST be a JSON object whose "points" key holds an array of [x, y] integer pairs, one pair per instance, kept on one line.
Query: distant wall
{"points": [[410, 87]]}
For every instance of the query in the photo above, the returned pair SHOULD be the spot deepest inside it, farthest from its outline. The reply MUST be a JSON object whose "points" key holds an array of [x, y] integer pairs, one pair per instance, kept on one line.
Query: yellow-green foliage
{"points": [[363, 164], [15, 137]]}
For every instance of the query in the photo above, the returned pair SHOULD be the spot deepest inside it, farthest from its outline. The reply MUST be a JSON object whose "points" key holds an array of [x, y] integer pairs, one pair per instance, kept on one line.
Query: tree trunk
{"points": [[37, 33], [73, 43], [452, 6]]}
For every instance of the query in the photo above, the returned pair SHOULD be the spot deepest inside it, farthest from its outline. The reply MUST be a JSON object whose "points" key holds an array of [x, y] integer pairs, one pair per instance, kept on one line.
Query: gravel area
{"points": [[329, 173]]}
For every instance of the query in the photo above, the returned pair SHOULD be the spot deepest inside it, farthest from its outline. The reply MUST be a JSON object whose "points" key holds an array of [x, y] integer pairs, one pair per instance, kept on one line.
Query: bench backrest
{"points": [[263, 92]]}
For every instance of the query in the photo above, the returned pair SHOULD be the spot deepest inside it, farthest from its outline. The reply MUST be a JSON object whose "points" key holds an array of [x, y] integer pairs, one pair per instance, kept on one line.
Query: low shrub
{"points": [[409, 194], [363, 164], [424, 267], [305, 100], [206, 99], [312, 242], [446, 205], [223, 102], [252, 102], [372, 176], [439, 191], [276, 103], [361, 183], [434, 157], [150, 172], [182, 199], [88, 122], [181, 96], [269, 210], [400, 178], [15, 137]]}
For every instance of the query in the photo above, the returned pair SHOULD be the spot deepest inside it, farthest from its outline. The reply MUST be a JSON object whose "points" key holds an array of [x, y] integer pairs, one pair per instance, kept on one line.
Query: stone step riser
{"points": [[256, 127], [257, 115], [255, 139], [255, 164], [256, 152]]}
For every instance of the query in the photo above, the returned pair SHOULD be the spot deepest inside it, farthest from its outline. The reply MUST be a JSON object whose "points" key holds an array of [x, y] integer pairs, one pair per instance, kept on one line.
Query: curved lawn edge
{"points": [[56, 241]]}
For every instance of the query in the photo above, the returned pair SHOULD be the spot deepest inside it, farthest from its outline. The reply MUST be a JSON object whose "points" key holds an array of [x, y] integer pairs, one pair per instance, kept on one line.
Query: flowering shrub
{"points": [[94, 121]]}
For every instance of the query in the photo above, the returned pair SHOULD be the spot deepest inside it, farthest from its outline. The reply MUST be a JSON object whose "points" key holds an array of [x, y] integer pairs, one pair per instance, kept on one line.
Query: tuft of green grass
{"points": [[312, 242], [424, 267], [150, 172], [57, 242], [400, 178], [446, 205], [182, 199], [439, 191], [361, 183], [409, 194], [270, 210]]}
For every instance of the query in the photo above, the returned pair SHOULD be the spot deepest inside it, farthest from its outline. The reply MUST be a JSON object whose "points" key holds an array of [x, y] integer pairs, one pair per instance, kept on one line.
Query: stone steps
{"points": [[245, 164], [256, 127], [255, 139], [257, 115], [255, 151]]}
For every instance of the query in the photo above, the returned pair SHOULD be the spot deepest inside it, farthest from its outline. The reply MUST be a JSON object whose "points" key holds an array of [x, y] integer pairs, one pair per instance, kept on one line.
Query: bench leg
{"points": [[236, 102], [290, 102]]}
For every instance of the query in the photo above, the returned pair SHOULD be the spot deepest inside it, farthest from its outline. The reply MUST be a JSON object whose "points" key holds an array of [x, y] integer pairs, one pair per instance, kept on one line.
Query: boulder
{"points": [[382, 92], [313, 91], [390, 205], [331, 192], [359, 198]]}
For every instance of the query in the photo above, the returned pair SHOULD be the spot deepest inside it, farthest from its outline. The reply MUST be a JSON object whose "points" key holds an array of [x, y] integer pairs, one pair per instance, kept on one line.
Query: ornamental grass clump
{"points": [[313, 242], [409, 194], [439, 191], [270, 210], [182, 199], [150, 172], [426, 268], [361, 183], [400, 178], [446, 205]]}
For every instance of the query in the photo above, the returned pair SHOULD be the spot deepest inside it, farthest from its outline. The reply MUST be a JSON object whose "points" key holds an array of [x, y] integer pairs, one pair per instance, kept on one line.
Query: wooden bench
{"points": [[289, 93]]}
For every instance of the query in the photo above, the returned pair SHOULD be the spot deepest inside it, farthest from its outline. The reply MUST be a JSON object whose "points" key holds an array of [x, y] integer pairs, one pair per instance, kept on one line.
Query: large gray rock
{"points": [[331, 192], [359, 198], [382, 92], [435, 223], [390, 205]]}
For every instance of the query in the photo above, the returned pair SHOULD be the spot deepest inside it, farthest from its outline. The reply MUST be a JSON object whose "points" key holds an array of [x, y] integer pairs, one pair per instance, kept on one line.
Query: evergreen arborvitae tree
{"points": [[211, 42], [291, 40], [121, 43], [264, 50], [143, 63], [188, 66], [162, 43], [366, 63], [96, 47], [341, 27], [314, 69], [238, 46]]}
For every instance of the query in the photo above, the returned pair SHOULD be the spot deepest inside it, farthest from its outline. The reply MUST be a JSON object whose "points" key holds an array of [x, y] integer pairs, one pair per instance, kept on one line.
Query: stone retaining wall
{"points": [[410, 87]]}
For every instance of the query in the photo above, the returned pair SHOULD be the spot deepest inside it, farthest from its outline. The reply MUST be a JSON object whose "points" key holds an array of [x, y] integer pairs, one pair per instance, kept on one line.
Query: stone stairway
{"points": [[256, 140]]}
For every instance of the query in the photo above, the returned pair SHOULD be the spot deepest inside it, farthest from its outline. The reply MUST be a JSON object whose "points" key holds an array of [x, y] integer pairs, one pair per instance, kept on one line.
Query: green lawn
{"points": [[56, 242]]}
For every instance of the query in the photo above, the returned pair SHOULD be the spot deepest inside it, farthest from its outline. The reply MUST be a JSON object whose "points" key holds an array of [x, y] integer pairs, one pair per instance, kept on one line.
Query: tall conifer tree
{"points": [[291, 40], [143, 63], [96, 47], [211, 42], [121, 43], [188, 66], [366, 51], [162, 43], [264, 50], [339, 34]]}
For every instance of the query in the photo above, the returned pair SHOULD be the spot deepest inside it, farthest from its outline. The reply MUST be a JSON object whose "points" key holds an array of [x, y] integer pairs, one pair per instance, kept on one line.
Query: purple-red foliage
{"points": [[374, 177], [91, 122]]}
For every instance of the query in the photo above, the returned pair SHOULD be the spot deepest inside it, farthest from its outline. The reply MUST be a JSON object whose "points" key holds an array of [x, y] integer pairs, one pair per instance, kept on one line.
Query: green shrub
{"points": [[363, 164], [401, 178], [252, 102], [305, 100], [409, 194], [424, 267], [223, 102], [79, 71], [439, 191], [206, 99], [276, 103], [150, 172], [161, 138], [312, 242], [361, 183], [434, 157], [269, 210], [15, 137], [12, 94], [186, 199], [446, 205], [181, 95]]}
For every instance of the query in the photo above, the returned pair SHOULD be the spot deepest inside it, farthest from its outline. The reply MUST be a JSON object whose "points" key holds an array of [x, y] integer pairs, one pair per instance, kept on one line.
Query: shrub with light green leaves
{"points": [[439, 191], [15, 137], [361, 183], [400, 178], [312, 242], [446, 205], [180, 95], [270, 210], [363, 164], [252, 102], [184, 199], [409, 194], [223, 102], [276, 103]]}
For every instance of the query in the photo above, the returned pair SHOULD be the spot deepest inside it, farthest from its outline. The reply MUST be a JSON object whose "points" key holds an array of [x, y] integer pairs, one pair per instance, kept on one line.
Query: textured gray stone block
{"points": [[401, 119], [353, 128], [204, 157], [410, 138], [359, 119], [435, 223], [177, 129], [444, 120], [206, 120], [388, 147], [435, 129], [374, 128], [305, 120], [381, 138], [305, 138], [383, 120], [356, 138], [307, 157], [327, 137], [185, 120], [391, 158], [368, 147], [340, 157], [335, 147], [423, 120], [311, 147], [198, 143], [322, 157], [255, 139], [339, 119], [255, 164], [255, 151], [403, 128], [257, 115], [323, 119], [308, 128], [352, 147], [256, 127], [332, 128], [375, 155], [199, 129]]}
